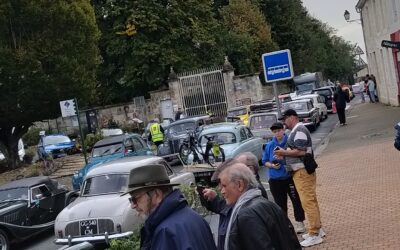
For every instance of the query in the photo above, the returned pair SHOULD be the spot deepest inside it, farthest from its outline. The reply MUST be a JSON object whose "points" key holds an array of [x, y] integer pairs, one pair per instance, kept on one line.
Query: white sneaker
{"points": [[311, 241], [320, 234], [299, 227]]}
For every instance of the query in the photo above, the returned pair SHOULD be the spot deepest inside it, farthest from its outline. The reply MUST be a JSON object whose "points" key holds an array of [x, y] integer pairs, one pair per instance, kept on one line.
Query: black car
{"points": [[308, 114], [30, 206], [326, 92]]}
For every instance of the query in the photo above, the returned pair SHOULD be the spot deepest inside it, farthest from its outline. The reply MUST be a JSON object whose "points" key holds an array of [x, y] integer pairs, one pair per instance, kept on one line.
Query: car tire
{"points": [[4, 241]]}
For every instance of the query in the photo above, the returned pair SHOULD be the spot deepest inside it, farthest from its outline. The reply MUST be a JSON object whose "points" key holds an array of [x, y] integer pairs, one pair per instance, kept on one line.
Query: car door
{"points": [[41, 204]]}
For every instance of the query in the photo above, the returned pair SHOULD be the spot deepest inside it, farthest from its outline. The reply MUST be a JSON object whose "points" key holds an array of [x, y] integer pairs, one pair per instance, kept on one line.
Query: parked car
{"points": [[100, 213], [242, 112], [308, 114], [55, 145], [318, 102], [112, 148], [260, 123], [234, 138], [326, 92], [21, 151], [29, 206]]}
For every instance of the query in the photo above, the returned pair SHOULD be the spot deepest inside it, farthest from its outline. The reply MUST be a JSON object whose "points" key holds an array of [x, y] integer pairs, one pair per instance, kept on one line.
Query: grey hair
{"points": [[240, 172], [250, 160]]}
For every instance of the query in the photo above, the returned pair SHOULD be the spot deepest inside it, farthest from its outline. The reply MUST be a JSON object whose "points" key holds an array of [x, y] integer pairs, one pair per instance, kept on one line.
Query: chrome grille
{"points": [[106, 225], [72, 229], [10, 218]]}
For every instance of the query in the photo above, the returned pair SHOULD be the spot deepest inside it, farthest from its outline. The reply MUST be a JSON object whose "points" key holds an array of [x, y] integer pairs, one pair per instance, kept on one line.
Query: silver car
{"points": [[100, 213], [260, 123]]}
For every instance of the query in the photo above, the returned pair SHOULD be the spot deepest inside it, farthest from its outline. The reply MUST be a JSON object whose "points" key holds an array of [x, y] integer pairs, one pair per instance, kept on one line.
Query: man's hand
{"points": [[209, 194]]}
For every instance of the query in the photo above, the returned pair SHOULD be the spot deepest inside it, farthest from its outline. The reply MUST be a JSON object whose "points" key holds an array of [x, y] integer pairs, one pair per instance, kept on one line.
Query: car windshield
{"points": [[105, 184], [181, 127], [237, 112], [14, 194], [107, 149], [55, 139], [298, 106], [304, 87], [324, 92], [223, 138], [262, 121]]}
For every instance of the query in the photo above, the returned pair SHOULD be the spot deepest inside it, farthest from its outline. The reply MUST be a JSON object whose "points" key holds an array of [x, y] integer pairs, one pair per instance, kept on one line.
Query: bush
{"points": [[131, 243], [91, 139], [31, 137], [29, 154]]}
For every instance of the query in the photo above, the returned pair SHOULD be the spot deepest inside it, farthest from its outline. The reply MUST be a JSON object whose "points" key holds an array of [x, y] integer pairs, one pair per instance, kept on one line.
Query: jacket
{"points": [[156, 133], [175, 226], [261, 225], [268, 156], [341, 97]]}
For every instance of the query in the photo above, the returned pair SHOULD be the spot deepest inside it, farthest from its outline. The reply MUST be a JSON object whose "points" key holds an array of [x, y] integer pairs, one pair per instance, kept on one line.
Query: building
{"points": [[381, 21]]}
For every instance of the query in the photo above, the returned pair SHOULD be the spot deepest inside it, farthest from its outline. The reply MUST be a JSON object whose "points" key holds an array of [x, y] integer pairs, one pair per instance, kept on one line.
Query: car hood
{"points": [[95, 207], [59, 146], [6, 207]]}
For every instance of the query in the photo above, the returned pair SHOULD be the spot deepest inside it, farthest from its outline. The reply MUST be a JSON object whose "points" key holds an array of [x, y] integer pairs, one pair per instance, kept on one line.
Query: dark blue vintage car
{"points": [[56, 145], [30, 206]]}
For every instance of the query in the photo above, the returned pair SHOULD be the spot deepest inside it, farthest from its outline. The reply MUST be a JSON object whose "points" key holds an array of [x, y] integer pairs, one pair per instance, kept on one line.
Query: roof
{"points": [[113, 140], [27, 182], [220, 127], [298, 100], [190, 119], [123, 165], [264, 113], [304, 96]]}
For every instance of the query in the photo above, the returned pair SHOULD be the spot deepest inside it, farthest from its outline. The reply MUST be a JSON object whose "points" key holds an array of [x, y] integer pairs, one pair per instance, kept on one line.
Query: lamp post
{"points": [[347, 17]]}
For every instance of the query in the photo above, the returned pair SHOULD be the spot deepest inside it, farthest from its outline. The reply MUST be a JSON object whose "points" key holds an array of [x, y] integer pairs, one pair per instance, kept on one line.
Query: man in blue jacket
{"points": [[280, 182], [170, 224]]}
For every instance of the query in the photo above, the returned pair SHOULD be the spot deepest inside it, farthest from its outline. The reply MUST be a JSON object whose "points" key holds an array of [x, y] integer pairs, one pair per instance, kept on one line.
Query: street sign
{"points": [[68, 108], [277, 65], [390, 44]]}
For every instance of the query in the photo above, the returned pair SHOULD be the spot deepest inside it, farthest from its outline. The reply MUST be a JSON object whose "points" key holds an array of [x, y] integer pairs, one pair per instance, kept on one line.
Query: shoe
{"points": [[299, 227], [320, 234], [311, 241]]}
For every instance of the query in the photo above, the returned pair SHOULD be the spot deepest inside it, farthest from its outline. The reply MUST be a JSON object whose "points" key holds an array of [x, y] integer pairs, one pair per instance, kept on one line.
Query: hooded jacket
{"points": [[174, 226]]}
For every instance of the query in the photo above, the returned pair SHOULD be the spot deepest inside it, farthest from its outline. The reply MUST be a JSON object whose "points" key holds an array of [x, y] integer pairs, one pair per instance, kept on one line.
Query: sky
{"points": [[332, 13]]}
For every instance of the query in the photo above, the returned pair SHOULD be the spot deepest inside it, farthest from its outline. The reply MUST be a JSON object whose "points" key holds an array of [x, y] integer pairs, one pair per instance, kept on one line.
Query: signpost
{"points": [[277, 67], [70, 108], [390, 44]]}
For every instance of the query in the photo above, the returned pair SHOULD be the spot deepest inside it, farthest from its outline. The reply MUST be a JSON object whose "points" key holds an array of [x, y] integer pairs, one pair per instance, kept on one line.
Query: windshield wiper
{"points": [[117, 150], [104, 153]]}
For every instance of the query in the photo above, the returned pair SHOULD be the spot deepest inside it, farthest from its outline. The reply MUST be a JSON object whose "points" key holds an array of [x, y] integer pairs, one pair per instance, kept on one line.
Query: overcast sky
{"points": [[331, 12]]}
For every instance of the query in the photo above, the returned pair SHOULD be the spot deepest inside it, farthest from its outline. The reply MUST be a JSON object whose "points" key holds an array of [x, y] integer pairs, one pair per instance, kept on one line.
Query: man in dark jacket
{"points": [[397, 138], [341, 96], [170, 224], [255, 223]]}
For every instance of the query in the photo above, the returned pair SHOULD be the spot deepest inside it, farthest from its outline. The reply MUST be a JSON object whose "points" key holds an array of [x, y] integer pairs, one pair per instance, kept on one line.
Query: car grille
{"points": [[104, 225]]}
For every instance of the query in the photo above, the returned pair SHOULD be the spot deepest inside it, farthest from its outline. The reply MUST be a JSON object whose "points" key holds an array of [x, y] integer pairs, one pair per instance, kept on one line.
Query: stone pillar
{"points": [[173, 85], [228, 74]]}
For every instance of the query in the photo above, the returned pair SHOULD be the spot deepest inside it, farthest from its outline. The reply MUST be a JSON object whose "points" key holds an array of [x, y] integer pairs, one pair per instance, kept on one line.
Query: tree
{"points": [[48, 53]]}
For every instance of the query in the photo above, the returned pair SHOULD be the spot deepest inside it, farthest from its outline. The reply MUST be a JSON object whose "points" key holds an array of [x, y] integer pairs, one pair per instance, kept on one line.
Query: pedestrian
{"points": [[371, 89], [169, 223], [397, 138], [255, 223], [298, 144], [156, 134], [362, 89], [280, 181], [340, 97], [178, 114]]}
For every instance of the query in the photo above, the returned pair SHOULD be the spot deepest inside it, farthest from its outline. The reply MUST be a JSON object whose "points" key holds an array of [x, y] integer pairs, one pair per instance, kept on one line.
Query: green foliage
{"points": [[31, 137], [91, 139], [131, 243]]}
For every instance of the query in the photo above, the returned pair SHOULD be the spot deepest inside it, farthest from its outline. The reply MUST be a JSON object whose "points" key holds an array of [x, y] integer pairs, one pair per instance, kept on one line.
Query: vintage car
{"points": [[318, 102], [55, 145], [100, 213], [112, 148], [308, 114], [29, 206], [260, 123], [234, 138], [241, 112]]}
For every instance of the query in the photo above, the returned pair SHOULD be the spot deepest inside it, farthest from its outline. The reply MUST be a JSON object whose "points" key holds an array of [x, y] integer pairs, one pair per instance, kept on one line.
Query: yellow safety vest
{"points": [[156, 134]]}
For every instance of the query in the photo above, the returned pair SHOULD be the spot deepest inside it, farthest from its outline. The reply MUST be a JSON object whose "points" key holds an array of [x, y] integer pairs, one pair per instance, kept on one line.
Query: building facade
{"points": [[381, 21]]}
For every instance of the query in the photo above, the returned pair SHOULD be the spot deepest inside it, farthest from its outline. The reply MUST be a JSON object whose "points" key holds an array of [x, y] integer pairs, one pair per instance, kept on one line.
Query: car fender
{"points": [[72, 195], [23, 232]]}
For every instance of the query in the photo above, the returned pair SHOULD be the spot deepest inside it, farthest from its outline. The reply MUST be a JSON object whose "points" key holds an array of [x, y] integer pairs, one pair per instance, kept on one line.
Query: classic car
{"points": [[318, 102], [112, 148], [55, 145], [234, 138], [308, 114], [100, 213], [326, 92], [260, 123], [29, 206]]}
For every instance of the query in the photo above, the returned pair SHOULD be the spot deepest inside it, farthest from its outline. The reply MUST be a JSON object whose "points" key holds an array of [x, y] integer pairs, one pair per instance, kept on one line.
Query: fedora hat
{"points": [[148, 176]]}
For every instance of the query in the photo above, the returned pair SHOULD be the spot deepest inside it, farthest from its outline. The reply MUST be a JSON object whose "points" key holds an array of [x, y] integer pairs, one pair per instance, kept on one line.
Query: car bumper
{"points": [[92, 239]]}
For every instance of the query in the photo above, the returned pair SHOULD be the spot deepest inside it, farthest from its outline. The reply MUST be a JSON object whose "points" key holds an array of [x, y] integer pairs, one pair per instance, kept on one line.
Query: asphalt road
{"points": [[45, 240]]}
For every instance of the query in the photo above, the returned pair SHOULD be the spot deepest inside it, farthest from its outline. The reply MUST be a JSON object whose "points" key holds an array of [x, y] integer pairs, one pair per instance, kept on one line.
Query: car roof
{"points": [[55, 135], [123, 165], [264, 113], [113, 139], [299, 100], [219, 127], [26, 182], [189, 119]]}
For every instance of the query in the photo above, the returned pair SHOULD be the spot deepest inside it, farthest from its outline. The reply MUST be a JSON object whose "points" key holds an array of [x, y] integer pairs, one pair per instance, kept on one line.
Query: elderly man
{"points": [[298, 144], [170, 223], [255, 223]]}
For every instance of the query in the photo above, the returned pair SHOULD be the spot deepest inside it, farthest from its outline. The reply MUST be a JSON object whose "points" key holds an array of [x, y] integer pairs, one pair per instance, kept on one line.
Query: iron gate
{"points": [[203, 90]]}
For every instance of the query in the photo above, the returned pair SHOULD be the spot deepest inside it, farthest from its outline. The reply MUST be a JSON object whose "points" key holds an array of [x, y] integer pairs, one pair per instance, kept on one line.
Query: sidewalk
{"points": [[358, 181]]}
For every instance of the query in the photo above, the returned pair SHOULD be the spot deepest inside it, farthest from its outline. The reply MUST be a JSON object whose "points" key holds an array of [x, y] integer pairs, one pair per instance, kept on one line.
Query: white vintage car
{"points": [[100, 214]]}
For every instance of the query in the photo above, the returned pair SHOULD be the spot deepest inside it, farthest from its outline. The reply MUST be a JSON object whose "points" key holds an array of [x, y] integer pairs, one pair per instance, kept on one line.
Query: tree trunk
{"points": [[9, 138]]}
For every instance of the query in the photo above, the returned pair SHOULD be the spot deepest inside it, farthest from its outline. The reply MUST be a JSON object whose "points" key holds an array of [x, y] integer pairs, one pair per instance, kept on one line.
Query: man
{"points": [[280, 181], [156, 134], [397, 138], [341, 97], [371, 89], [178, 114], [255, 223], [169, 223], [298, 144]]}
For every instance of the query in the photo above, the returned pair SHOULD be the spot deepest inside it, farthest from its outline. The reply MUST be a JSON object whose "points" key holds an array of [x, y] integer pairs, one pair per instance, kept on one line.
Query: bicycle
{"points": [[213, 152]]}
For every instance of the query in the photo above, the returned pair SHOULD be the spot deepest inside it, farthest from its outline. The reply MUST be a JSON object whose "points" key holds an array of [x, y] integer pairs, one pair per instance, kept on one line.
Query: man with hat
{"points": [[170, 224], [280, 181], [298, 144]]}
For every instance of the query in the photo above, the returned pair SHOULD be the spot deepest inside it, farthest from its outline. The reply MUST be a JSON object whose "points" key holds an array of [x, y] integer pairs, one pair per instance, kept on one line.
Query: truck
{"points": [[306, 82]]}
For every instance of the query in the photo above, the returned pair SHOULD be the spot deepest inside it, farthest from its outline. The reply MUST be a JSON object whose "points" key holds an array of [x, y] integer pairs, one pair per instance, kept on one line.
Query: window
{"points": [[243, 135], [223, 138], [137, 144], [262, 121], [248, 133], [43, 190], [169, 171], [105, 184]]}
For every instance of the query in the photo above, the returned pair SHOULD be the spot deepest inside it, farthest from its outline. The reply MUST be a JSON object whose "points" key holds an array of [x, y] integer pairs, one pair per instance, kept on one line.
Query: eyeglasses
{"points": [[134, 199]]}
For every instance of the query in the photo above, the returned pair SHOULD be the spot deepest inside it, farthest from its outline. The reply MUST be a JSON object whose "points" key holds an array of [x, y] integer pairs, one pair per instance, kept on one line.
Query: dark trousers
{"points": [[341, 112], [280, 189]]}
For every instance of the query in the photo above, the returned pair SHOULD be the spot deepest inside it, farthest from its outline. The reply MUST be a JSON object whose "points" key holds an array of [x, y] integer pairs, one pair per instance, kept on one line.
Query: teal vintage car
{"points": [[112, 148]]}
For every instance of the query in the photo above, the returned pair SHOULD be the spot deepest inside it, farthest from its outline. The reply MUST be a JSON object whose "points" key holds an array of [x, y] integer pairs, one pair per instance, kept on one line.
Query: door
{"points": [[167, 110]]}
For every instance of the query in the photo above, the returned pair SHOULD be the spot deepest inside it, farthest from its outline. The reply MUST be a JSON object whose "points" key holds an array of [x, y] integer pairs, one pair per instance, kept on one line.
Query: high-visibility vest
{"points": [[156, 134]]}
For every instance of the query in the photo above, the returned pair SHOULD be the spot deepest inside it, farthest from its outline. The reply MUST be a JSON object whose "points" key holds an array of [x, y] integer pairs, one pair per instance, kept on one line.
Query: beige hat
{"points": [[148, 176]]}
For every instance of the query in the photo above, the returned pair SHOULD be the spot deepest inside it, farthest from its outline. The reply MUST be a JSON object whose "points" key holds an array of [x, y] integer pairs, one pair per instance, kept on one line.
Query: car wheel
{"points": [[4, 242]]}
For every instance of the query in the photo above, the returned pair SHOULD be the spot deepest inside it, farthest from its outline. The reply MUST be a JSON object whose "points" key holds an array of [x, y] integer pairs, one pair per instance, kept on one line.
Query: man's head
{"points": [[278, 130], [222, 167], [290, 118], [236, 180], [250, 160]]}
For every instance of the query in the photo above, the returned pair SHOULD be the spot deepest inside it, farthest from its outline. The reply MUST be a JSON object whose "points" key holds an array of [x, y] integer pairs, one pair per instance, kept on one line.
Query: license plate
{"points": [[88, 227]]}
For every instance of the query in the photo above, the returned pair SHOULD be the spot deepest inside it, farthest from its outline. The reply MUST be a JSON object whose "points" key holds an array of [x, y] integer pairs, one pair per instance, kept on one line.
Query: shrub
{"points": [[131, 243], [29, 154], [31, 137], [91, 139]]}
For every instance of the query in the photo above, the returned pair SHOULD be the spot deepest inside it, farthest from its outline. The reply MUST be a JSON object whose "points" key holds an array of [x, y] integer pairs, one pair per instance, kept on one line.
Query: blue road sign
{"points": [[277, 65]]}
